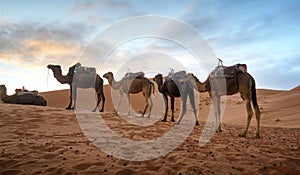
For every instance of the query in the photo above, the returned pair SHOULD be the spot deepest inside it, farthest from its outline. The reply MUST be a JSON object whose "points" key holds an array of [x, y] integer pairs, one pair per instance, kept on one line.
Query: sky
{"points": [[262, 34]]}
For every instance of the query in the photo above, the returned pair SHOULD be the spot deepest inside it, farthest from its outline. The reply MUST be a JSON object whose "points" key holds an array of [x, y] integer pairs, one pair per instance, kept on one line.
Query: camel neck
{"points": [[112, 82], [160, 86], [63, 79], [202, 86]]}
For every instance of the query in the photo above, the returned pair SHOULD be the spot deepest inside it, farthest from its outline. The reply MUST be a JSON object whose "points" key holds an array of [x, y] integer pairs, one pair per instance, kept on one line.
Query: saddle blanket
{"points": [[130, 75], [85, 70], [228, 71]]}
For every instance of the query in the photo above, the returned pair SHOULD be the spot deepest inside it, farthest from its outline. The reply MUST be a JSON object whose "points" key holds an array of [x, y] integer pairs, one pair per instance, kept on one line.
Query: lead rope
{"points": [[47, 79]]}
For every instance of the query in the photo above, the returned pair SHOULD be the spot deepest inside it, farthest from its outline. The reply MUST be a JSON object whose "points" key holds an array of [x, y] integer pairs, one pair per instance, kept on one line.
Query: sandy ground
{"points": [[49, 140]]}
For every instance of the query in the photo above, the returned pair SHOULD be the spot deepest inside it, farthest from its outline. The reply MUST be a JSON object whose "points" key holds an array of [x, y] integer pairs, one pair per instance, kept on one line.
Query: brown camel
{"points": [[169, 88], [85, 82], [138, 84], [26, 98], [242, 82]]}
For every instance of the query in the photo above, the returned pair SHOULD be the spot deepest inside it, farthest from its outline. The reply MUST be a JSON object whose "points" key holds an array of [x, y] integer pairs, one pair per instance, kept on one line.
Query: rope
{"points": [[47, 79]]}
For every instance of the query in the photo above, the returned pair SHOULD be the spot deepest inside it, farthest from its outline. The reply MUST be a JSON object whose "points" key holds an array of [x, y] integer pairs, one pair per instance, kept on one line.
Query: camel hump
{"points": [[134, 75], [228, 71]]}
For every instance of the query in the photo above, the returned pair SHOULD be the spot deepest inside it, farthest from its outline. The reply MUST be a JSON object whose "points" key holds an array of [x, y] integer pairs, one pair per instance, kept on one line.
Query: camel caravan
{"points": [[223, 80]]}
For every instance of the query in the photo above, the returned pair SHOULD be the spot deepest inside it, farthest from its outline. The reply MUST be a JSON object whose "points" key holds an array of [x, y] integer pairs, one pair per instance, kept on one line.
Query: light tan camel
{"points": [[26, 98], [138, 84], [242, 82], [83, 81]]}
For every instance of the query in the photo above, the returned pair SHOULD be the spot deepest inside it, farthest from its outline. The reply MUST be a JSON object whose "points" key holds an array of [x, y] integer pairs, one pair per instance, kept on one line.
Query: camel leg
{"points": [[216, 107], [71, 99], [192, 101], [151, 105], [166, 106], [250, 114], [128, 97], [74, 92], [103, 101], [98, 101], [257, 114], [183, 107], [119, 103], [172, 108], [146, 105]]}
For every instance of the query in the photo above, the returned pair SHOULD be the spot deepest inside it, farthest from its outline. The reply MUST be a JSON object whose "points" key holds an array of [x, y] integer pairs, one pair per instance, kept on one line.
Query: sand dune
{"points": [[49, 140], [279, 108]]}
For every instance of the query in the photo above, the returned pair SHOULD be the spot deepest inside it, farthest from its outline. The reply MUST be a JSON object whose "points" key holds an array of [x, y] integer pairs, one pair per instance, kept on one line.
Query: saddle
{"points": [[131, 75], [24, 91], [175, 76], [85, 70], [227, 71]]}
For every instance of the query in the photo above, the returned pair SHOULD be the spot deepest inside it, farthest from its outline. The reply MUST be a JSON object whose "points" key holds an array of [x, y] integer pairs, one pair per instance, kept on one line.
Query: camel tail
{"points": [[253, 92]]}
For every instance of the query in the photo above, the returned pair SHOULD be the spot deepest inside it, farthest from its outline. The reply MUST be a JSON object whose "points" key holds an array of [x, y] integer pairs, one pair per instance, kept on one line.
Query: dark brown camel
{"points": [[27, 98], [137, 85], [169, 88], [242, 82], [84, 82]]}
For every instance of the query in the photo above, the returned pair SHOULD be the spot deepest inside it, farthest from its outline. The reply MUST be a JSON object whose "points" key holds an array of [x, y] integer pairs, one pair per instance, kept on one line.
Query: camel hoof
{"points": [[101, 110], [68, 108], [178, 123], [197, 123], [172, 120], [242, 135], [164, 120], [218, 131], [257, 136]]}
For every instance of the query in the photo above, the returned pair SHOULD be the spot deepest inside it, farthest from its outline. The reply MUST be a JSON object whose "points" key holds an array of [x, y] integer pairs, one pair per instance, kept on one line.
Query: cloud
{"points": [[37, 45], [80, 6], [102, 12]]}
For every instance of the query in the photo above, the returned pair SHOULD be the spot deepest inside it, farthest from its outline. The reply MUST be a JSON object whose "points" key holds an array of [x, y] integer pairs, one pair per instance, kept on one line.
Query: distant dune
{"points": [[279, 108]]}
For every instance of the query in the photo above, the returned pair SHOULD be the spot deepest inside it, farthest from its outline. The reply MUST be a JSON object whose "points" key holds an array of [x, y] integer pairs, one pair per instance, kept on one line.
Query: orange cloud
{"points": [[37, 53], [51, 49]]}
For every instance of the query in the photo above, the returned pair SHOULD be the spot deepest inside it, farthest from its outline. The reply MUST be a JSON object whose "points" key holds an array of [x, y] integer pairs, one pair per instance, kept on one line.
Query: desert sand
{"points": [[49, 140]]}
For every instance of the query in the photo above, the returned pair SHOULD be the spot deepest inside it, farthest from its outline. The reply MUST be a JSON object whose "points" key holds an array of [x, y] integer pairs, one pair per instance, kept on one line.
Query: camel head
{"points": [[54, 67], [2, 91], [108, 75], [158, 79]]}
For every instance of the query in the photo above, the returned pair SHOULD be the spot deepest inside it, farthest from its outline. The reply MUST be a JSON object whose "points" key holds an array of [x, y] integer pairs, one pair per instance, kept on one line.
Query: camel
{"points": [[137, 85], [85, 82], [26, 98], [241, 82], [169, 88]]}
